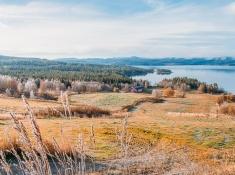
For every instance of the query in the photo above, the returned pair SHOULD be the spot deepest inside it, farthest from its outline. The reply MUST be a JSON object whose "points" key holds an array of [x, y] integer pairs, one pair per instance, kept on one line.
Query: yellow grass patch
{"points": [[111, 101], [209, 139]]}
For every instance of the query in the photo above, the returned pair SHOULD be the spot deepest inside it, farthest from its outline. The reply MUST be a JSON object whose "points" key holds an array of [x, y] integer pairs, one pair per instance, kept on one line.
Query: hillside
{"points": [[140, 61], [186, 130], [131, 61], [53, 69]]}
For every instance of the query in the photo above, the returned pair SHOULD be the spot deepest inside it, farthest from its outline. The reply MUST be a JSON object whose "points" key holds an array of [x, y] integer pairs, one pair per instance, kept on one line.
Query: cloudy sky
{"points": [[114, 28]]}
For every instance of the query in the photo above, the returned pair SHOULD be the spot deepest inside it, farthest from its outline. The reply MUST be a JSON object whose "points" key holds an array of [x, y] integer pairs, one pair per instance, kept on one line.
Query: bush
{"points": [[47, 96], [180, 94], [183, 87], [220, 100], [202, 88], [168, 92], [126, 88], [225, 98], [156, 93], [228, 109], [86, 110], [8, 92], [115, 89]]}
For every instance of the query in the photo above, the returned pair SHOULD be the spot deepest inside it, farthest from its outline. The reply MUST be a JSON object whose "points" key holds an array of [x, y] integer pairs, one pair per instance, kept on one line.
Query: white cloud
{"points": [[56, 30], [231, 8]]}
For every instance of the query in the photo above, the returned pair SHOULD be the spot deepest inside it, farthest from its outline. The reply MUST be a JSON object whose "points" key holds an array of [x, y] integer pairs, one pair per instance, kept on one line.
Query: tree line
{"points": [[47, 69], [185, 83]]}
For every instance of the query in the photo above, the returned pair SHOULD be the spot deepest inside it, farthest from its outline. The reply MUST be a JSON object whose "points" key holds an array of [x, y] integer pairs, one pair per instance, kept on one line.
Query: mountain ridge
{"points": [[130, 61], [138, 61]]}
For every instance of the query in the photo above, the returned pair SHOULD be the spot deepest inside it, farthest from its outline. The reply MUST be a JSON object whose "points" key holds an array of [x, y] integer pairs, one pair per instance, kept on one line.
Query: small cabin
{"points": [[137, 89]]}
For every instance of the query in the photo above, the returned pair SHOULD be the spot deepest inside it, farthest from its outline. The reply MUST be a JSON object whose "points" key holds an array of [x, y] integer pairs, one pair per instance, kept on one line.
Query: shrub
{"points": [[227, 109], [202, 88], [20, 88], [230, 98], [213, 89], [220, 100], [30, 85], [126, 88], [225, 98], [156, 93], [8, 92], [180, 94], [48, 96], [183, 87], [79, 87], [115, 89], [146, 84], [168, 92], [106, 87], [86, 110], [31, 94]]}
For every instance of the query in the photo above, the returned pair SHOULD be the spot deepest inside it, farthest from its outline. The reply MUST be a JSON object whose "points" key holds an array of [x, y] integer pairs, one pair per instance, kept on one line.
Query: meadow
{"points": [[177, 135]]}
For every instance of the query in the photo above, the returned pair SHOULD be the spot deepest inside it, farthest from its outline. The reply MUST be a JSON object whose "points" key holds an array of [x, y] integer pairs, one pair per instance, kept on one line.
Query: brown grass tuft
{"points": [[227, 109], [168, 92], [140, 101], [80, 110], [180, 94], [225, 98]]}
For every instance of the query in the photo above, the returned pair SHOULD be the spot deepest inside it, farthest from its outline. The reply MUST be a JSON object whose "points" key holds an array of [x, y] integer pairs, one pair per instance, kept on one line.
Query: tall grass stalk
{"points": [[35, 157]]}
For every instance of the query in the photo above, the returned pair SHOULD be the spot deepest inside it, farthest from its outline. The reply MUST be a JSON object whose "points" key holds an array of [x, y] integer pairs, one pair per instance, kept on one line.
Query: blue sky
{"points": [[115, 28]]}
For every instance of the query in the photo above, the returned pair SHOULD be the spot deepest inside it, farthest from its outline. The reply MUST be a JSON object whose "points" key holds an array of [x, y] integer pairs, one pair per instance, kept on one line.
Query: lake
{"points": [[224, 76]]}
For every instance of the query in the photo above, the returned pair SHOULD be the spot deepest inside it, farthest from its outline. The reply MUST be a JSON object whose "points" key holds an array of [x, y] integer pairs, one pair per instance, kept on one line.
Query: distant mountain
{"points": [[9, 60], [138, 61], [13, 58], [129, 61]]}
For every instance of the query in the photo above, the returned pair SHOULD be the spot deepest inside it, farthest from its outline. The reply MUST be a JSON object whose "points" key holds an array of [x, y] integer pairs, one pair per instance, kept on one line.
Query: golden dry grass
{"points": [[110, 101], [16, 105], [75, 111], [208, 139]]}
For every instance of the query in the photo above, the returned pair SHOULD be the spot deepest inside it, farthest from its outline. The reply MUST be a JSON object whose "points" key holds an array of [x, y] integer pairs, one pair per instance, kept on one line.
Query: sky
{"points": [[117, 28]]}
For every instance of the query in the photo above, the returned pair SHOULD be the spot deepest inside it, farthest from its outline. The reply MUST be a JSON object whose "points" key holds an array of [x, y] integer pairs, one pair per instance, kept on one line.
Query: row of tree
{"points": [[62, 71], [32, 88], [186, 84]]}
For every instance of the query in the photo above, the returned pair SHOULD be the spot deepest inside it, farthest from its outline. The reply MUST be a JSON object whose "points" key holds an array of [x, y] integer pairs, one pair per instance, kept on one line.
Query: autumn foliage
{"points": [[168, 92]]}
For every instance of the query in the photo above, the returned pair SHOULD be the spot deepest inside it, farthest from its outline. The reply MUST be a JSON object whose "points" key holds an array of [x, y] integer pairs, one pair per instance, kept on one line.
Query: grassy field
{"points": [[189, 122], [111, 101], [16, 104]]}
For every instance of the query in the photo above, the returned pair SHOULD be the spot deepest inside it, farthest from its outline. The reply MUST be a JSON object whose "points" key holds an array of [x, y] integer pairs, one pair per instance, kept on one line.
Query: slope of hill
{"points": [[53, 69], [138, 61]]}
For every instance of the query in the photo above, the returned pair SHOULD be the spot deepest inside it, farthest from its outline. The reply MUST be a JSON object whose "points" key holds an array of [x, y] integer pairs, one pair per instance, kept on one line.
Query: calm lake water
{"points": [[224, 76]]}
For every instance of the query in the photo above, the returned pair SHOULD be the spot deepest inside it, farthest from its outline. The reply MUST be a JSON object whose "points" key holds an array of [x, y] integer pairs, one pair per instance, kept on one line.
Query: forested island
{"points": [[164, 71]]}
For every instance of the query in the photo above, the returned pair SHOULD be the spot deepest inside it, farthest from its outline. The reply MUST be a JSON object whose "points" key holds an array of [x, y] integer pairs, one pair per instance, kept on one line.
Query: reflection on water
{"points": [[224, 76]]}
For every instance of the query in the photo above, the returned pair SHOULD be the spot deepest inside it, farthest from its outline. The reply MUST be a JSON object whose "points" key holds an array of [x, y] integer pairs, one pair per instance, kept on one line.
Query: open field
{"points": [[15, 104], [111, 101], [176, 123]]}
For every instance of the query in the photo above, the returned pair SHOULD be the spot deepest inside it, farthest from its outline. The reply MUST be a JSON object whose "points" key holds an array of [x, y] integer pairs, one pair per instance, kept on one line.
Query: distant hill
{"points": [[138, 61], [68, 70], [129, 61], [9, 60]]}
